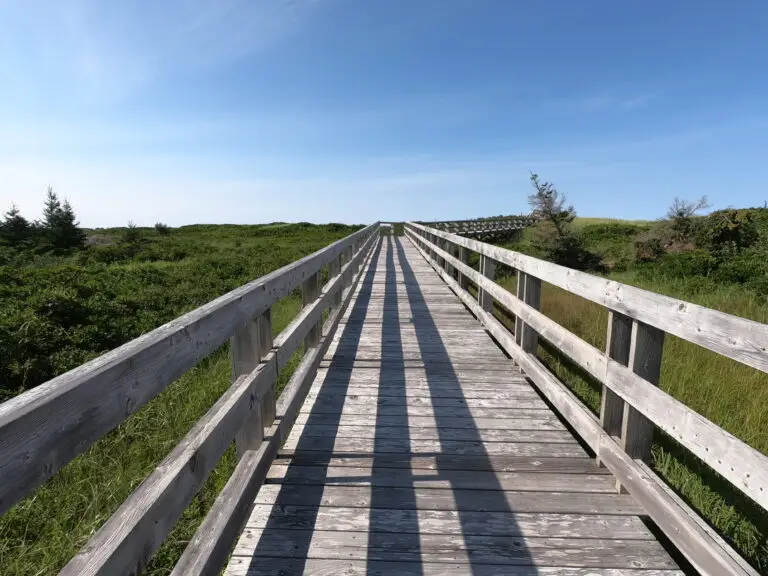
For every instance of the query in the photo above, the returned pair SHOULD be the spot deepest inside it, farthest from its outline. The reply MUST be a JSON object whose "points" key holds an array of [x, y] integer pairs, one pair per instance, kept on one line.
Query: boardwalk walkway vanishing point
{"points": [[421, 449]]}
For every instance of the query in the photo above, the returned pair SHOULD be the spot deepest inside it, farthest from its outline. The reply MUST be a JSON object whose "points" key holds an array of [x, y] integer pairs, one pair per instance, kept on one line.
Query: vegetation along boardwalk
{"points": [[418, 434]]}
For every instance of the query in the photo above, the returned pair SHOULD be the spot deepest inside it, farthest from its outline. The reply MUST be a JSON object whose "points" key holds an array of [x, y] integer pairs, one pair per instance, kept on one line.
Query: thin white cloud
{"points": [[103, 51]]}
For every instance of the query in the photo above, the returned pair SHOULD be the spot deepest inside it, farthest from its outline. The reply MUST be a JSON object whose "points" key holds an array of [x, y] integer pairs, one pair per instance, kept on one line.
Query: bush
{"points": [[648, 249], [162, 229], [132, 234], [727, 231], [568, 250]]}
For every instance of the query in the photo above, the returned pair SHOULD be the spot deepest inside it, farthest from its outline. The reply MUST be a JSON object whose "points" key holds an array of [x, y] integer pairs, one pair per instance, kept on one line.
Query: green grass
{"points": [[41, 533], [730, 394]]}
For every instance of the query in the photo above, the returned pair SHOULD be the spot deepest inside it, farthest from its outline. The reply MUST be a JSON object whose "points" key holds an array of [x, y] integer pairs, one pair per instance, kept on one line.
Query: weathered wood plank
{"points": [[447, 479], [540, 421], [437, 433], [577, 552], [419, 497], [343, 444], [345, 519], [442, 461], [245, 566]]}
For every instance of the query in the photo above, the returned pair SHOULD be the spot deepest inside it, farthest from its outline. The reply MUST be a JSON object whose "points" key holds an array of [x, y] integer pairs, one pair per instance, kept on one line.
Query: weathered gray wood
{"points": [[448, 479], [347, 519], [742, 465], [419, 497], [528, 291], [334, 269], [738, 338], [264, 323], [388, 445], [214, 538], [617, 346], [310, 291], [442, 461], [246, 357], [645, 357], [46, 427], [244, 566], [464, 258], [126, 542], [530, 421], [710, 556], [488, 270], [390, 547]]}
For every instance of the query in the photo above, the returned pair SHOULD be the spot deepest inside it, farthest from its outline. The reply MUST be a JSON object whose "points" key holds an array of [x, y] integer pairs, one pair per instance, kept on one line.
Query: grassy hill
{"points": [[59, 311]]}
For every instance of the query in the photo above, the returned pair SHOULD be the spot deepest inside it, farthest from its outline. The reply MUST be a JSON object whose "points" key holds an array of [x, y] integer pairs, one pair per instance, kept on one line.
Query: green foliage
{"points": [[132, 234], [680, 216], [728, 231], [60, 226], [60, 311], [162, 229], [15, 230], [549, 205]]}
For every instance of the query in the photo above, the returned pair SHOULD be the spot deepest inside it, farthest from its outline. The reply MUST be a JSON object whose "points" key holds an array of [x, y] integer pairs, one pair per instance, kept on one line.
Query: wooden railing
{"points": [[632, 404], [486, 227], [45, 428]]}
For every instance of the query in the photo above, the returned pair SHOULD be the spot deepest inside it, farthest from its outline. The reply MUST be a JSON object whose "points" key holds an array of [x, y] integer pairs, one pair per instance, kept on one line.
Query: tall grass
{"points": [[730, 394]]}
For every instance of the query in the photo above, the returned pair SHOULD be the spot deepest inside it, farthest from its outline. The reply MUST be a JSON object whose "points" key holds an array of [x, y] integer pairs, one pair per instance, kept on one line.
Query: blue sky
{"points": [[247, 111]]}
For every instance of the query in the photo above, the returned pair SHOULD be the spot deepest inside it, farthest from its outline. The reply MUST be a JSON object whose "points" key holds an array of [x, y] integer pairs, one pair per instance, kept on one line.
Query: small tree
{"points": [[549, 205], [162, 229], [15, 230], [132, 234], [680, 215], [553, 235], [60, 225]]}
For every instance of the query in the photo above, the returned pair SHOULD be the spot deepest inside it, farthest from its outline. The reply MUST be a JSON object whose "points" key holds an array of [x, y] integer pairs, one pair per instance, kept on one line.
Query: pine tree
{"points": [[15, 230], [60, 224]]}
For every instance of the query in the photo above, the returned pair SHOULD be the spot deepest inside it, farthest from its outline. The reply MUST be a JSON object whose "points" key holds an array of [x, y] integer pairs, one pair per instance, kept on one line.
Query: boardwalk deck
{"points": [[422, 449]]}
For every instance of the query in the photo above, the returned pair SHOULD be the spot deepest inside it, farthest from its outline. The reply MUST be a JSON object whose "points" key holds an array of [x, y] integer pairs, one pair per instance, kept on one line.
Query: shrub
{"points": [[162, 229], [727, 231], [132, 234]]}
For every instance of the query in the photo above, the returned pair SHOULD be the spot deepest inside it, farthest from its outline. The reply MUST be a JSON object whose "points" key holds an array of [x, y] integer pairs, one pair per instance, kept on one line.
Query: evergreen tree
{"points": [[15, 230], [60, 224]]}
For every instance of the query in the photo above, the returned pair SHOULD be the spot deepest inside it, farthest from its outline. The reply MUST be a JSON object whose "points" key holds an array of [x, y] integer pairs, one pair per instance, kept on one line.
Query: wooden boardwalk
{"points": [[422, 449]]}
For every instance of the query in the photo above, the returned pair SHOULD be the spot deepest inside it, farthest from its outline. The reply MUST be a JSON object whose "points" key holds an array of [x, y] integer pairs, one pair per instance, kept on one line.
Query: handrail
{"points": [[43, 429], [628, 371]]}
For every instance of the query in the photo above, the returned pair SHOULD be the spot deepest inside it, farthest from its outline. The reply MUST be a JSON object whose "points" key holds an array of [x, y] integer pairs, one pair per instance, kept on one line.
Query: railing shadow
{"points": [[440, 372]]}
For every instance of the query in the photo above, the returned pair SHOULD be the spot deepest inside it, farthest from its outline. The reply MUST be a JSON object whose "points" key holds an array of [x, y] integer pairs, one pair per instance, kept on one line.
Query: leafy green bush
{"points": [[727, 231]]}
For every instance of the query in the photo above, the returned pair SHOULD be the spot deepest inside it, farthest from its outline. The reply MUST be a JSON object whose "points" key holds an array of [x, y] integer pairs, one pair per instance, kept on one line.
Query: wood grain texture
{"points": [[244, 566]]}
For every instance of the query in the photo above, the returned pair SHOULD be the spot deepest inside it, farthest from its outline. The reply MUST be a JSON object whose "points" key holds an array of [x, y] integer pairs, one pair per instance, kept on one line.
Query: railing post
{"points": [[268, 403], [310, 290], [645, 356], [449, 248], [617, 345], [246, 356], [487, 269], [334, 269], [464, 258], [528, 291]]}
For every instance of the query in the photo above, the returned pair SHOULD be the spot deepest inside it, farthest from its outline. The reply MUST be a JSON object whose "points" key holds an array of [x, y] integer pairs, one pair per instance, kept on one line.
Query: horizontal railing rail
{"points": [[632, 404], [44, 428]]}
